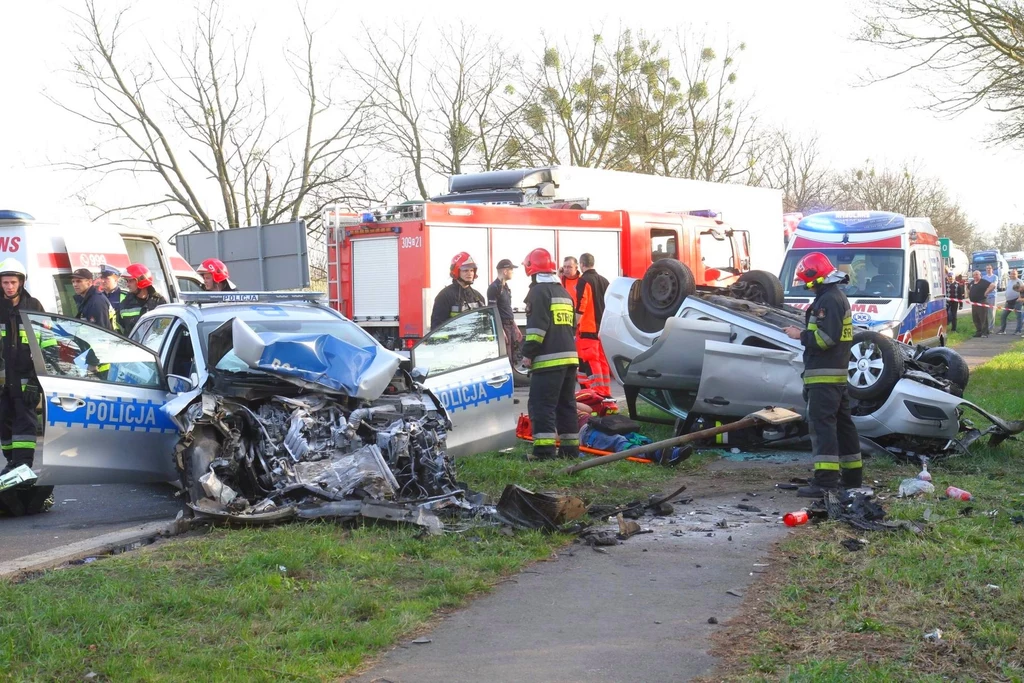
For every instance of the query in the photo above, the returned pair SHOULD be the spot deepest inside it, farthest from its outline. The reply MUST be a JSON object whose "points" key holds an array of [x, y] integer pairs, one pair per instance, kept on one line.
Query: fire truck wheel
{"points": [[763, 288], [664, 287], [876, 365], [951, 366]]}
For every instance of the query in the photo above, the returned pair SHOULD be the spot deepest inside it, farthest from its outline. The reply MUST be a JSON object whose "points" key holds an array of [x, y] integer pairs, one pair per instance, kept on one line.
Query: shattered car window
{"points": [[459, 343], [872, 272], [76, 350]]}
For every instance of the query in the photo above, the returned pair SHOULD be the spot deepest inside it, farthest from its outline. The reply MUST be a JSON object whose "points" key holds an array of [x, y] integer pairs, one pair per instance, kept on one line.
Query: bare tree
{"points": [[795, 166], [202, 117], [975, 48]]}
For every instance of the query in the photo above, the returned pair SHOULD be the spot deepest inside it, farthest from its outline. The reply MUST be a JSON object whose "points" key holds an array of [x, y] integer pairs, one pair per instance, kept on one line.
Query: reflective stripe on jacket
{"points": [[828, 338], [550, 339]]}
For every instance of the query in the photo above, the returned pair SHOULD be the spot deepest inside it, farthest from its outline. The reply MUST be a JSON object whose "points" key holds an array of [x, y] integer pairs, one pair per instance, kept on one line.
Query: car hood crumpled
{"points": [[321, 362]]}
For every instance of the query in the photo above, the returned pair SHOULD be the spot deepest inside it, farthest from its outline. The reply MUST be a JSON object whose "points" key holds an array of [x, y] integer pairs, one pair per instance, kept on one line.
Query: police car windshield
{"points": [[873, 272], [327, 324]]}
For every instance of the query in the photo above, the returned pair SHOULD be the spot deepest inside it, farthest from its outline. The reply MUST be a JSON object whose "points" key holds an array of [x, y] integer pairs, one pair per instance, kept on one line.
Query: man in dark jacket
{"points": [[93, 306], [499, 294], [20, 393], [549, 351], [954, 300], [459, 296], [110, 279], [142, 297], [590, 291], [827, 342]]}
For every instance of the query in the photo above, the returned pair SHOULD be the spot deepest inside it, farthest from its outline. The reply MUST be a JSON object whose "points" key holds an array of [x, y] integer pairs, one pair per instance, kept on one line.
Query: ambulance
{"points": [[896, 285], [51, 251]]}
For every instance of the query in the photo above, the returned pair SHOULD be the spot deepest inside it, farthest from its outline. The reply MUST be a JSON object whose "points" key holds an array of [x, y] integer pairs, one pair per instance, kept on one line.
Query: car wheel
{"points": [[520, 375], [763, 288], [876, 364], [196, 461], [951, 366], [665, 286]]}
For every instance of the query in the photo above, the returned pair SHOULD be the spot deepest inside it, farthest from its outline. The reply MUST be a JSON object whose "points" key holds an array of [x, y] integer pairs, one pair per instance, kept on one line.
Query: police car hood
{"points": [[318, 362]]}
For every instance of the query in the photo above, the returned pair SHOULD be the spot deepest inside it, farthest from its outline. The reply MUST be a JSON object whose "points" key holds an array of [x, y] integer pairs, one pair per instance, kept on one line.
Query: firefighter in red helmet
{"points": [[827, 342], [215, 276], [142, 297], [549, 350], [459, 296]]}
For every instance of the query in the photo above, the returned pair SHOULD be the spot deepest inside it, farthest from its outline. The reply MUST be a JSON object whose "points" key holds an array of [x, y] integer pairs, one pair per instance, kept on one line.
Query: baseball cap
{"points": [[82, 274], [109, 270], [506, 263]]}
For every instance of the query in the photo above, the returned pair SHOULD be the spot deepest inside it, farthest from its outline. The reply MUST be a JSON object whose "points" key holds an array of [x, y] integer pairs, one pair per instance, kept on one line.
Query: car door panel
{"points": [[676, 359], [469, 372], [738, 380], [102, 399]]}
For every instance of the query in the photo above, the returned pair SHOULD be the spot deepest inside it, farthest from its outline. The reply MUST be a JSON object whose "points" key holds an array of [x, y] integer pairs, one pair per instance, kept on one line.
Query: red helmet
{"points": [[539, 261], [460, 261], [140, 273], [216, 268], [814, 268]]}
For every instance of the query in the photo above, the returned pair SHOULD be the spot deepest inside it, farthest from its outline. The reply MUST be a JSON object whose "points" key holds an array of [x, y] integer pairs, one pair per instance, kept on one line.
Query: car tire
{"points": [[665, 286], [876, 365], [196, 459], [767, 289], [520, 375], [956, 370]]}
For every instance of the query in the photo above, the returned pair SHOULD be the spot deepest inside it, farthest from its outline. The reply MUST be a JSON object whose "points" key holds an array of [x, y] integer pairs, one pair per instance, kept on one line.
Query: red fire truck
{"points": [[386, 267]]}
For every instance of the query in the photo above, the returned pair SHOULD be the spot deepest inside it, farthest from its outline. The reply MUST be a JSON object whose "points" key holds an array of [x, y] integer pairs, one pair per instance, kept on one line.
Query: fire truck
{"points": [[385, 267]]}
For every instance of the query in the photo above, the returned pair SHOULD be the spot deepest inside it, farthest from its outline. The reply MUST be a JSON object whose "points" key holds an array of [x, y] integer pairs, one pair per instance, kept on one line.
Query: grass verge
{"points": [[296, 602], [827, 614]]}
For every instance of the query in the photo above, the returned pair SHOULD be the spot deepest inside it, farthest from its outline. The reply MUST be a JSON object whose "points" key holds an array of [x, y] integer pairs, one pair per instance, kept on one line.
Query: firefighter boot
{"points": [[570, 450], [543, 453], [851, 477], [824, 480]]}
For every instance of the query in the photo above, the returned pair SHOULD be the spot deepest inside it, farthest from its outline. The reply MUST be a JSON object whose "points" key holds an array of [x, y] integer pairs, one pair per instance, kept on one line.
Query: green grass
{"points": [[828, 614], [218, 605]]}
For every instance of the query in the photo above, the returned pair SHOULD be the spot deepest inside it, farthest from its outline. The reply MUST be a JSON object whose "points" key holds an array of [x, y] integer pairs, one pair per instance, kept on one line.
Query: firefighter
{"points": [[20, 393], [459, 296], [216, 277], [499, 294], [110, 278], [827, 342], [590, 291], [549, 351], [93, 306], [142, 297]]}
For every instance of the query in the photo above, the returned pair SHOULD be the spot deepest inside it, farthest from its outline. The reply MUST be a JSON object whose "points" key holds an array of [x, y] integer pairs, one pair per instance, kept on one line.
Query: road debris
{"points": [[521, 507], [933, 636], [915, 487]]}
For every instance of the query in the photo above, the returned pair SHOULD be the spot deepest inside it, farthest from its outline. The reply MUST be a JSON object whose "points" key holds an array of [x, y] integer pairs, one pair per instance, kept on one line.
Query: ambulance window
{"points": [[74, 349], [188, 285], [64, 295], [663, 244], [145, 252]]}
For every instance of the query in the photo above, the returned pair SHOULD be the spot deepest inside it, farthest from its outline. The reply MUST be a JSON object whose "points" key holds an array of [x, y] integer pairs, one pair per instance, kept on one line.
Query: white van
{"points": [[50, 251], [895, 266]]}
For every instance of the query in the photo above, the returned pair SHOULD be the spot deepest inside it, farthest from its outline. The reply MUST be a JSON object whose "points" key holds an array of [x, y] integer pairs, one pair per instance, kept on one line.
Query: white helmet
{"points": [[12, 266]]}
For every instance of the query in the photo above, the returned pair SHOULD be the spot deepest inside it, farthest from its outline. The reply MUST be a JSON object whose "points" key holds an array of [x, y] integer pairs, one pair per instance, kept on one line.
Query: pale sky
{"points": [[800, 65]]}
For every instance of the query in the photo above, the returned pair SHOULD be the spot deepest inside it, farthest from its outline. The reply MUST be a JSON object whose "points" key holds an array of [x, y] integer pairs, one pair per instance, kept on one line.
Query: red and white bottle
{"points": [[958, 494]]}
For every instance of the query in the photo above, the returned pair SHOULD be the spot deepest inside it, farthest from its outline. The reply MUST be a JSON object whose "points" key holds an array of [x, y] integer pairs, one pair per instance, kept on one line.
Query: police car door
{"points": [[101, 400], [469, 371]]}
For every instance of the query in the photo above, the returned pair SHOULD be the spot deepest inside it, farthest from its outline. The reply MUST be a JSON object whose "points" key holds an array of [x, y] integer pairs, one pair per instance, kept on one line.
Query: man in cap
{"points": [[93, 306], [499, 294], [459, 296]]}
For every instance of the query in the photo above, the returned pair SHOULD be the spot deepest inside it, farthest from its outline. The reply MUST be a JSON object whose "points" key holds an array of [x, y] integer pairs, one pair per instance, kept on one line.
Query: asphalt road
{"points": [[82, 512]]}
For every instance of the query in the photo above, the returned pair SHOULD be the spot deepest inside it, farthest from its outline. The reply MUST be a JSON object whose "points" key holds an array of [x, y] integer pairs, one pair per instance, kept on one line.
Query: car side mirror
{"points": [[419, 375], [180, 385], [921, 292]]}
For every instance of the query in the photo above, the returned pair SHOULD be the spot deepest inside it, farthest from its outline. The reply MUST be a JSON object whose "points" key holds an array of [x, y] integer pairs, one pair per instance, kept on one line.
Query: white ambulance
{"points": [[896, 287], [51, 251]]}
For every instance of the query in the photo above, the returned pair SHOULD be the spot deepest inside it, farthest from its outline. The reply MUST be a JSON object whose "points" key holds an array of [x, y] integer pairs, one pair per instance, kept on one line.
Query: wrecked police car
{"points": [[720, 358], [270, 404]]}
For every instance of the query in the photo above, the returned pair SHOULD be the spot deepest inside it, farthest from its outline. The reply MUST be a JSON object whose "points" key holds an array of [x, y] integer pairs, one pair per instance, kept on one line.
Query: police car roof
{"points": [[218, 313], [852, 221]]}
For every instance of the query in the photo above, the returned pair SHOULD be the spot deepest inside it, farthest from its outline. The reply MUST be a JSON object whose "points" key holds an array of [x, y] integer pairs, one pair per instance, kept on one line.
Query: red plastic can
{"points": [[958, 494], [795, 518]]}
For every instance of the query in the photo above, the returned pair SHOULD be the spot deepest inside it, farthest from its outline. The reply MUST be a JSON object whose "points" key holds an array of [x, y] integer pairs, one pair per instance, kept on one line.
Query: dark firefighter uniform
{"points": [[20, 395], [132, 308], [453, 300], [590, 291], [827, 342], [551, 346]]}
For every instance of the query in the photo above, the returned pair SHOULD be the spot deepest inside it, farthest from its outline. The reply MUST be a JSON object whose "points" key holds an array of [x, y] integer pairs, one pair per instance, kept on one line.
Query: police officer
{"points": [[19, 395], [142, 297], [499, 294], [827, 342], [110, 284], [549, 350], [93, 306], [459, 296], [216, 277]]}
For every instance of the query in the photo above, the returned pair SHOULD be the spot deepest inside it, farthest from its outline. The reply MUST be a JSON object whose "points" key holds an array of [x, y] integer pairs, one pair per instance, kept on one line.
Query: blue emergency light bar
{"points": [[201, 298], [852, 221], [8, 215]]}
